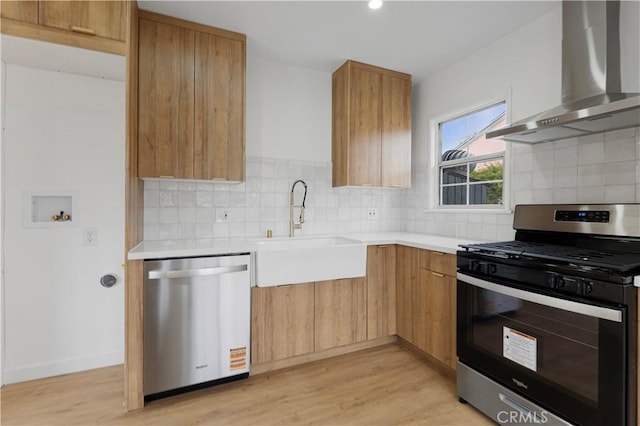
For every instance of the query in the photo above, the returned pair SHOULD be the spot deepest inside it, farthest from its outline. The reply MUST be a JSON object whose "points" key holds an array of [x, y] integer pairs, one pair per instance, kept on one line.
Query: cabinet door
{"points": [[436, 318], [396, 132], [407, 286], [365, 120], [25, 11], [381, 291], [166, 101], [281, 322], [219, 112], [340, 313], [105, 19]]}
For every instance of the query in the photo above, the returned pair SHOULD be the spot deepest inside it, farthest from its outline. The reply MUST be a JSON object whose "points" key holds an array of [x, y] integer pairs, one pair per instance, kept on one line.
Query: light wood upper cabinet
{"points": [[381, 291], [371, 135], [282, 322], [365, 129], [219, 127], [396, 131], [191, 100], [166, 100], [106, 19], [25, 11], [340, 313], [95, 25]]}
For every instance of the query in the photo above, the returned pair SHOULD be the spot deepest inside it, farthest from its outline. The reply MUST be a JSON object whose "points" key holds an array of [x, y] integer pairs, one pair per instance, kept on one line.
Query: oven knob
{"points": [[555, 281], [584, 287], [483, 267]]}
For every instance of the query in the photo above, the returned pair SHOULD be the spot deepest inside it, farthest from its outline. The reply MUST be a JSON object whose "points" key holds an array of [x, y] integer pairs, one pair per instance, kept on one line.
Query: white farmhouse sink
{"points": [[297, 260]]}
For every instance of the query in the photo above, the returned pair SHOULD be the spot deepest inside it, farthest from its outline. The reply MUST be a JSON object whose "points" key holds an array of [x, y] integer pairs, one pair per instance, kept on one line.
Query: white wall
{"points": [[288, 111], [525, 69], [64, 133]]}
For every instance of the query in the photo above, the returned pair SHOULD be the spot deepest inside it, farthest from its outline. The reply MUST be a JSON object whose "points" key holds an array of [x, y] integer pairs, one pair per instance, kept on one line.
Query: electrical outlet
{"points": [[222, 215], [372, 214], [90, 236]]}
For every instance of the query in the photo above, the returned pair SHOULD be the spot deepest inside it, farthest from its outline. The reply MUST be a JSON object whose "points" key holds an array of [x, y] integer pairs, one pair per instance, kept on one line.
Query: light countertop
{"points": [[211, 247]]}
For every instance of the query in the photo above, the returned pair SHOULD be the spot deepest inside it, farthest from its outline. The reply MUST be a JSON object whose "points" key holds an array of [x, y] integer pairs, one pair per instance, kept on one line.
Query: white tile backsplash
{"points": [[591, 169], [603, 168], [178, 209]]}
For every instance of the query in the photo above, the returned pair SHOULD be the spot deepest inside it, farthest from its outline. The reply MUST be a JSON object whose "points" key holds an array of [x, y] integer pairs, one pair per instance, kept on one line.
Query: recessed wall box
{"points": [[51, 208]]}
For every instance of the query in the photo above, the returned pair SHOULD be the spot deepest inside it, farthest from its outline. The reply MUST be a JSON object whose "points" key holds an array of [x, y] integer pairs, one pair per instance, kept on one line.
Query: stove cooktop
{"points": [[613, 261]]}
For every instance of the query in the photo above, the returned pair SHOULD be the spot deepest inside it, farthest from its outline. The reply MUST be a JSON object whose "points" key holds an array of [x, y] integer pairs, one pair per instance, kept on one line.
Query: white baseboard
{"points": [[56, 368]]}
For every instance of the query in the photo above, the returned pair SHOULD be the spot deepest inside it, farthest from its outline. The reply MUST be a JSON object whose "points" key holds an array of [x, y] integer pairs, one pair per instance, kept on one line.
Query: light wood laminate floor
{"points": [[387, 385]]}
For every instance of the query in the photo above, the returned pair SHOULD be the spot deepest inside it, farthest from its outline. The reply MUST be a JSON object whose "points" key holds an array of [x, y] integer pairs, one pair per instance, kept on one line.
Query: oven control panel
{"points": [[575, 285], [580, 283], [597, 216]]}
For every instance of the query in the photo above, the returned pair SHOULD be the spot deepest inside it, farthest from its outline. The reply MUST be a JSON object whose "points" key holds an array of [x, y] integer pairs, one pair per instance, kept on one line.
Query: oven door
{"points": [[567, 356]]}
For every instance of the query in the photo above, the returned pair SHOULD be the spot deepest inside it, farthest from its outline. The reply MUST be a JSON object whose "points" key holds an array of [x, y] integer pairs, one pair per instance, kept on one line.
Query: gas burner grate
{"points": [[580, 256]]}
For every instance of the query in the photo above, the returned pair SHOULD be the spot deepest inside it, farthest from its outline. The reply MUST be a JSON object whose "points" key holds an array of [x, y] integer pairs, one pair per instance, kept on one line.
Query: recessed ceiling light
{"points": [[375, 4]]}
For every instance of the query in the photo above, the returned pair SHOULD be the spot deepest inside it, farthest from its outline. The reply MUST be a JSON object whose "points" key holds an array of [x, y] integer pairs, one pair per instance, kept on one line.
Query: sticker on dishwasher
{"points": [[519, 347], [238, 358]]}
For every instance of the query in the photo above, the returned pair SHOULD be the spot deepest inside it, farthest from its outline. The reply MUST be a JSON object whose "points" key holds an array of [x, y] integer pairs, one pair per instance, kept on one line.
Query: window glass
{"points": [[471, 167]]}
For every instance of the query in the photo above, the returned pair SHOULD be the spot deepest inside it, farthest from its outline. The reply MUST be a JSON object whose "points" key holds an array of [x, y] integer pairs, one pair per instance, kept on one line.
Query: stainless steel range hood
{"points": [[592, 99]]}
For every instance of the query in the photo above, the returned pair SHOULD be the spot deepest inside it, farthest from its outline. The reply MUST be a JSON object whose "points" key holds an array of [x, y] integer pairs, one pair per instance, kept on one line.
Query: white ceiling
{"points": [[417, 37]]}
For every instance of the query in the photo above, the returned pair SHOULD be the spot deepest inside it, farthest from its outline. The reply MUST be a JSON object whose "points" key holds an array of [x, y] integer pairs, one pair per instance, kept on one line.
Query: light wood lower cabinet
{"points": [[381, 291], [282, 322], [436, 319], [407, 286], [407, 291], [426, 289], [340, 312]]}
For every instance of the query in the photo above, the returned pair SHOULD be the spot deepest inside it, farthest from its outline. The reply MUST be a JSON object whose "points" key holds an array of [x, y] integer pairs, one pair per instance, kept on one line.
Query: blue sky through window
{"points": [[458, 130]]}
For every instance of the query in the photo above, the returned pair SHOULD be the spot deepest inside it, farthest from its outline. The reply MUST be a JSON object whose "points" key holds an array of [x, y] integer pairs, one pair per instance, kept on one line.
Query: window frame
{"points": [[434, 186]]}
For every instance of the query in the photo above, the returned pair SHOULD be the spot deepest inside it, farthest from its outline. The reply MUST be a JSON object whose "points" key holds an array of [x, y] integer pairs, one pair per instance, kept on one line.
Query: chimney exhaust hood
{"points": [[592, 99]]}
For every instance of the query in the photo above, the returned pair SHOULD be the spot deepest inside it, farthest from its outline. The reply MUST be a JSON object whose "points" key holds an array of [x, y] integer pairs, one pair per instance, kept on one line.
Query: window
{"points": [[470, 166]]}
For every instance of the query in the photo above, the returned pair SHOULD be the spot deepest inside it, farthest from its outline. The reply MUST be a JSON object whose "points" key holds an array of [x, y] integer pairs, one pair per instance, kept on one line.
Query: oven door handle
{"points": [[554, 302]]}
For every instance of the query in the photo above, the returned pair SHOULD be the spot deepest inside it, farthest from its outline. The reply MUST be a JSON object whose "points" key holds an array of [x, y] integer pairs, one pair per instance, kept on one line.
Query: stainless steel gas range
{"points": [[547, 323]]}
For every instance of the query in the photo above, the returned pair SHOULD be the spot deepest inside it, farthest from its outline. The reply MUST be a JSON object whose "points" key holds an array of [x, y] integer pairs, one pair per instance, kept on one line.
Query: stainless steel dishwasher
{"points": [[197, 320]]}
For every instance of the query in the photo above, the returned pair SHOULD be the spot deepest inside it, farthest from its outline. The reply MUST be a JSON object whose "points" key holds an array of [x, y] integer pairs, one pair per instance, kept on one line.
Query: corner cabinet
{"points": [[371, 132], [426, 294], [191, 102], [381, 291]]}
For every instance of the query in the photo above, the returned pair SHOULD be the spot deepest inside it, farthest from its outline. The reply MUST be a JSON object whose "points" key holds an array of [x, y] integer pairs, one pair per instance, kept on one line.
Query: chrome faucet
{"points": [[292, 224]]}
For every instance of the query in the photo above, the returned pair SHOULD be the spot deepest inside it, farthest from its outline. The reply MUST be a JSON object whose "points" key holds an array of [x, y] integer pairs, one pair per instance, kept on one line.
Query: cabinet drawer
{"points": [[436, 261]]}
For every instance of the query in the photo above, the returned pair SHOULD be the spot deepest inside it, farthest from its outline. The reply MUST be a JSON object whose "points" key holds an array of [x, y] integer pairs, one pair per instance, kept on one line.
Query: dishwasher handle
{"points": [[202, 272]]}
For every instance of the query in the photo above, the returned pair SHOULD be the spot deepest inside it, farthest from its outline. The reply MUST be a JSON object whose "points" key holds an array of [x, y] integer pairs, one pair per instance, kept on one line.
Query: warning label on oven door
{"points": [[519, 347]]}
